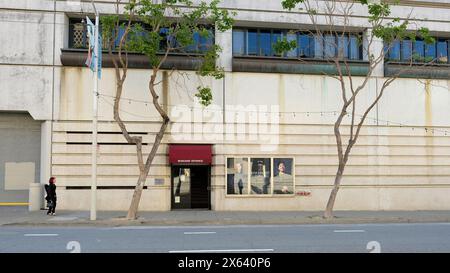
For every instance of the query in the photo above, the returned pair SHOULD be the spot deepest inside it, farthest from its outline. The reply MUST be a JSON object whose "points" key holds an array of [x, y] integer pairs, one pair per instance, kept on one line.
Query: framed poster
{"points": [[237, 176], [283, 178]]}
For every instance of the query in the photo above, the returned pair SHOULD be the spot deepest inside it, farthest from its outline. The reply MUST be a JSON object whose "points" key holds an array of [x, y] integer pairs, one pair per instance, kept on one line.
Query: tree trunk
{"points": [[143, 173], [132, 211], [331, 200]]}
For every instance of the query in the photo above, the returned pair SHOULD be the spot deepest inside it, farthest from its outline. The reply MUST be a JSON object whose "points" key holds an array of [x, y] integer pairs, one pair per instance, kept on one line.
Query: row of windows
{"points": [[78, 39], [260, 42], [419, 51]]}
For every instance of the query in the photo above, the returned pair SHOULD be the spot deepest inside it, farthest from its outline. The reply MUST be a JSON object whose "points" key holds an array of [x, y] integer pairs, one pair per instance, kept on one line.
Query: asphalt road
{"points": [[363, 238]]}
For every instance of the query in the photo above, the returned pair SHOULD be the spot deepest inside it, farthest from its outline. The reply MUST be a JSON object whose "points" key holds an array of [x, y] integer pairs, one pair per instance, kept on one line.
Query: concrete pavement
{"points": [[21, 216]]}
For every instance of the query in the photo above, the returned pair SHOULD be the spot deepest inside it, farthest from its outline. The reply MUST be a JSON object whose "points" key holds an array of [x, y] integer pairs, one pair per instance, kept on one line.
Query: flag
{"points": [[92, 55]]}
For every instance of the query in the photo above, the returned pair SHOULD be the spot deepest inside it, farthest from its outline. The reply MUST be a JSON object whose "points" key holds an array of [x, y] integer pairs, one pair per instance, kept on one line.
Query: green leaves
{"points": [[173, 26], [204, 95], [378, 11], [108, 24], [424, 33], [290, 4], [208, 66], [283, 45]]}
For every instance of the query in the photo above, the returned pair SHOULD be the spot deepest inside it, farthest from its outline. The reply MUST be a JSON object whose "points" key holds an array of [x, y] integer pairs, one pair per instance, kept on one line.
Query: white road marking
{"points": [[221, 250], [199, 232], [41, 235], [349, 231]]}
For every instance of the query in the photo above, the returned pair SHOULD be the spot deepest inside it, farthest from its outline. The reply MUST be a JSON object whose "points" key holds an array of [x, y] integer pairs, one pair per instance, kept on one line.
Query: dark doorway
{"points": [[191, 187]]}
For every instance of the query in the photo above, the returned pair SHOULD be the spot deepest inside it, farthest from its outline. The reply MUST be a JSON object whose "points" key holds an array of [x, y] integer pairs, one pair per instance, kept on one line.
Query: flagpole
{"points": [[94, 122]]}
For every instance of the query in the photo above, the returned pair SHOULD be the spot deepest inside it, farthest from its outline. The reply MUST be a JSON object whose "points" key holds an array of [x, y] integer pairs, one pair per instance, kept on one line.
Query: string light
{"points": [[266, 114]]}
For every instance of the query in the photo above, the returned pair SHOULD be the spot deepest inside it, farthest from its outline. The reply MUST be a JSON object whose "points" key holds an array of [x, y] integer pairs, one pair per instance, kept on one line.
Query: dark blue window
{"points": [[164, 33], [406, 50], [252, 42], [430, 52], [394, 51], [196, 41], [386, 51], [238, 42], [419, 50], [304, 46], [265, 44], [318, 46], [354, 48], [121, 33], [206, 42], [292, 37], [276, 36], [330, 46], [260, 42], [343, 46], [442, 51]]}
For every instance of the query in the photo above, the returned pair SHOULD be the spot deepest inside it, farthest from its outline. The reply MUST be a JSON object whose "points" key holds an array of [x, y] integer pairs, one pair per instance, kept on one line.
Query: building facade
{"points": [[265, 143]]}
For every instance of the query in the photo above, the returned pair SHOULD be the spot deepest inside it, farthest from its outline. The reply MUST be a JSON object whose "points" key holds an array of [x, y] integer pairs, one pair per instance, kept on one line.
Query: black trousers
{"points": [[52, 207]]}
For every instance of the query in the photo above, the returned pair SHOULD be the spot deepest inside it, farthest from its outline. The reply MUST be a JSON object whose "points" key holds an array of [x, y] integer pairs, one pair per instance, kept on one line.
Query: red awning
{"points": [[190, 154]]}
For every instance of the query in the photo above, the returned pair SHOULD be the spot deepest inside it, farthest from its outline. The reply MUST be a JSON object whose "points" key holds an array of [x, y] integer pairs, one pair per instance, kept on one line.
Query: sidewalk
{"points": [[19, 216]]}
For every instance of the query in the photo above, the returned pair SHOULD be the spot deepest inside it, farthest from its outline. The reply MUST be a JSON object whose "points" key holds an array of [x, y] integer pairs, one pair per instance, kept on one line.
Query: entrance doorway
{"points": [[191, 187]]}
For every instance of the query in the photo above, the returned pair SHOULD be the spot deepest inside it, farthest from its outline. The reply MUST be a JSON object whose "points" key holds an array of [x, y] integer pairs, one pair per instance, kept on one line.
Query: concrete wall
{"points": [[392, 166], [31, 36], [19, 156]]}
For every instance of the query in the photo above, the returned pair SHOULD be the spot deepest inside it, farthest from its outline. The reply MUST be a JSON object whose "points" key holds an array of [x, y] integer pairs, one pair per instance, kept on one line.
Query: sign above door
{"points": [[190, 154]]}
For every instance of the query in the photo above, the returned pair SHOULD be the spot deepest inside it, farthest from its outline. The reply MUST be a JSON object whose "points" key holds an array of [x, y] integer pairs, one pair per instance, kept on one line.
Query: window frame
{"points": [[299, 36], [249, 165], [423, 51], [197, 46]]}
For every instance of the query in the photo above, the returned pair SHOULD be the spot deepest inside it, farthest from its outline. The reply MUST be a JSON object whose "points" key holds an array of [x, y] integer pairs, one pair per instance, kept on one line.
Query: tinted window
{"points": [[343, 46], [419, 50], [442, 51], [318, 46], [330, 46], [206, 42], [304, 46], [394, 51], [276, 36], [430, 51], [119, 37], [238, 42], [196, 41], [252, 46], [354, 48], [406, 50], [260, 42], [292, 37], [265, 44]]}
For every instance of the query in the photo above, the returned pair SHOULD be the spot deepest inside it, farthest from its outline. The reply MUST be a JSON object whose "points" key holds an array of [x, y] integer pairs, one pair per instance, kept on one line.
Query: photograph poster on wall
{"points": [[260, 176], [283, 180], [237, 176]]}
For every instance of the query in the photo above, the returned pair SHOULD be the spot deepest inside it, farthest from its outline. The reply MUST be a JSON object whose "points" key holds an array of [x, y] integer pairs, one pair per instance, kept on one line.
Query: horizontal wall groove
{"points": [[265, 144]]}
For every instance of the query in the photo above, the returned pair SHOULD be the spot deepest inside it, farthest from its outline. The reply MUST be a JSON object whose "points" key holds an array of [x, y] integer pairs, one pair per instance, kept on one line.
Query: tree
{"points": [[334, 18], [156, 29]]}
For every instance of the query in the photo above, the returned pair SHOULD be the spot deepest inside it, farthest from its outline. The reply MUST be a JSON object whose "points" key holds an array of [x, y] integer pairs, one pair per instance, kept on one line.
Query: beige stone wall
{"points": [[392, 167]]}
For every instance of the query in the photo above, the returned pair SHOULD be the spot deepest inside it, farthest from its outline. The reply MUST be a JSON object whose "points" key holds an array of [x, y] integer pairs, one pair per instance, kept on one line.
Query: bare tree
{"points": [[156, 30], [331, 22]]}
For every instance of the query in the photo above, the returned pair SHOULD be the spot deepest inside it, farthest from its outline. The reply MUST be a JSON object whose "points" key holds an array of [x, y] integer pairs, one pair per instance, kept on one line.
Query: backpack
{"points": [[47, 191]]}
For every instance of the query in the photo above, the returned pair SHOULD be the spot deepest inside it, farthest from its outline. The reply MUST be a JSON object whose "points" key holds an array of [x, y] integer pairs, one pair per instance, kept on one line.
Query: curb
{"points": [[143, 222]]}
